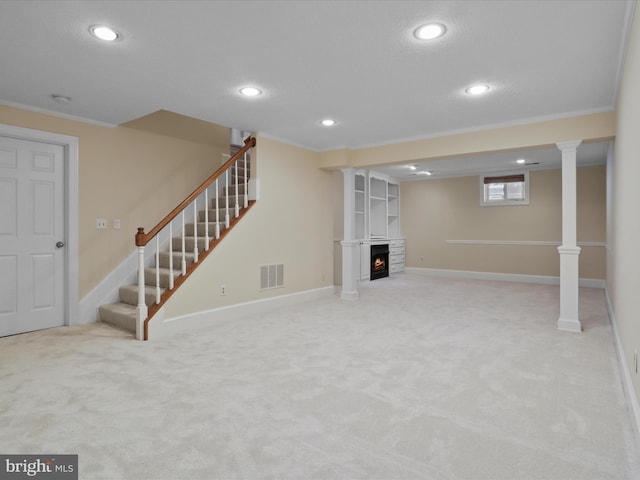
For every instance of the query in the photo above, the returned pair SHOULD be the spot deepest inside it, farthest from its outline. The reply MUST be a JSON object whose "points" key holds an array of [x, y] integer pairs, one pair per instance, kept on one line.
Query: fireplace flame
{"points": [[378, 264]]}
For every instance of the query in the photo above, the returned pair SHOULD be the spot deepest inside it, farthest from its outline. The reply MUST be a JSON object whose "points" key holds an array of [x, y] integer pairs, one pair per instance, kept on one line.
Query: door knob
{"points": [[60, 244]]}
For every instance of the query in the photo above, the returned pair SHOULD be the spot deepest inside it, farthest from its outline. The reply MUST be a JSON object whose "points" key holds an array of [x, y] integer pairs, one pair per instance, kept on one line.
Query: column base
{"points": [[569, 325], [349, 295]]}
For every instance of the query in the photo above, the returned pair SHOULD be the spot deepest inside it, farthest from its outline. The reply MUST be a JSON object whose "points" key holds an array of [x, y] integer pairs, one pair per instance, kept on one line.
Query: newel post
{"points": [[141, 309]]}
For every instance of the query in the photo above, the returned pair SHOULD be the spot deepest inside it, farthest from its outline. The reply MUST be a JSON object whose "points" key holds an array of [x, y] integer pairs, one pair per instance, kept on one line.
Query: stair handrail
{"points": [[143, 238]]}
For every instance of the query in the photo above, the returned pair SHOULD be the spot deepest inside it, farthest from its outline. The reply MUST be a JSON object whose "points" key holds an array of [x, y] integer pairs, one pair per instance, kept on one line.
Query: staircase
{"points": [[195, 239]]}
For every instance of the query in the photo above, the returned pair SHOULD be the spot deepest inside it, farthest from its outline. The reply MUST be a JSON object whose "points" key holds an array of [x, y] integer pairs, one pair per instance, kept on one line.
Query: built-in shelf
{"points": [[376, 216], [393, 210], [377, 207]]}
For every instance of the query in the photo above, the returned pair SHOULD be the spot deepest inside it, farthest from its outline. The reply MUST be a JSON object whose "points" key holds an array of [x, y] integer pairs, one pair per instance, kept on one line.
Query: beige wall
{"points": [[126, 173], [434, 211], [292, 224], [623, 281], [138, 175], [594, 127]]}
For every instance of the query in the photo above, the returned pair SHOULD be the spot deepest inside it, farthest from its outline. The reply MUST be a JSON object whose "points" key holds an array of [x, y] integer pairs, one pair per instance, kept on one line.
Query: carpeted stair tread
{"points": [[129, 294], [165, 274], [231, 189], [121, 315], [221, 213], [189, 227], [232, 198], [189, 243], [222, 201], [177, 258]]}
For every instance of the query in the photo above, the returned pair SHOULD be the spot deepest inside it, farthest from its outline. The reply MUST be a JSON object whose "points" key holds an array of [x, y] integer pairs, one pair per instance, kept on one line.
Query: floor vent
{"points": [[271, 276]]}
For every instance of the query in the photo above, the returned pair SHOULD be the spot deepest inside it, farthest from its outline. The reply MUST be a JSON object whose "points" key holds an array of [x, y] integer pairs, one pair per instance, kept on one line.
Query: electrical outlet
{"points": [[101, 223], [116, 224], [223, 290]]}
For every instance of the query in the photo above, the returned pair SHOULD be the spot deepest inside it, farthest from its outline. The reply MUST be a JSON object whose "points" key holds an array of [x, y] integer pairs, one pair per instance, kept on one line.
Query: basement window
{"points": [[509, 189]]}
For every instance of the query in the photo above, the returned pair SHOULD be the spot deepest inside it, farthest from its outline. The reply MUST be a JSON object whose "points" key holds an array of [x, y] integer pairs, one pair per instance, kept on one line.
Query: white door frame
{"points": [[70, 145]]}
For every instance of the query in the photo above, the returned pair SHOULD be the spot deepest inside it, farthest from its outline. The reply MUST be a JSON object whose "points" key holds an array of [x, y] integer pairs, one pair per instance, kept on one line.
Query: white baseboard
{"points": [[629, 391], [160, 327], [502, 277]]}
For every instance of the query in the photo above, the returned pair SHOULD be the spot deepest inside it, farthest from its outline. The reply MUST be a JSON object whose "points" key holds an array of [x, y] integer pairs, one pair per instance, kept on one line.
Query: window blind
{"points": [[504, 179]]}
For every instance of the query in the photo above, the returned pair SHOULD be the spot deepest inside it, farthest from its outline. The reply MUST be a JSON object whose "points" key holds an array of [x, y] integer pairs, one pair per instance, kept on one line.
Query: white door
{"points": [[32, 277]]}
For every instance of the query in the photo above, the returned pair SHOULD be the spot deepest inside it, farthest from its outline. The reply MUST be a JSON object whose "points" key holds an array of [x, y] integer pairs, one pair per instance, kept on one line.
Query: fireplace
{"points": [[379, 261]]}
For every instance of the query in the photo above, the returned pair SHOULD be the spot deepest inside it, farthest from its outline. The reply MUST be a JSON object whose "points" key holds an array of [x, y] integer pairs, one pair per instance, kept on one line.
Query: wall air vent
{"points": [[271, 276]]}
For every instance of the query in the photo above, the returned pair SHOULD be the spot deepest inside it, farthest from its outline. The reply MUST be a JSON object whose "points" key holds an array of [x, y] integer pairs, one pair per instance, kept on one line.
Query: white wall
{"points": [[623, 278]]}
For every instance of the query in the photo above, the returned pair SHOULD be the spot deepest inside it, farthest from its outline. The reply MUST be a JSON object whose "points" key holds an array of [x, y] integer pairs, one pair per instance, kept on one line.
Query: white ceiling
{"points": [[354, 61]]}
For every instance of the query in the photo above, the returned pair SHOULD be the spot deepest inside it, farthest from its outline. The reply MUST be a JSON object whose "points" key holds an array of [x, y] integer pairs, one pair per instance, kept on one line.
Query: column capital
{"points": [[348, 170], [572, 145]]}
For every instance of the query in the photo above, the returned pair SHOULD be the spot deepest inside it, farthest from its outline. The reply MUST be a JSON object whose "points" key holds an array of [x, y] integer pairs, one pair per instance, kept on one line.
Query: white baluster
{"points": [[246, 183], [170, 256], [226, 212], [157, 268], [237, 210], [184, 253], [141, 308], [217, 212], [206, 219], [195, 231]]}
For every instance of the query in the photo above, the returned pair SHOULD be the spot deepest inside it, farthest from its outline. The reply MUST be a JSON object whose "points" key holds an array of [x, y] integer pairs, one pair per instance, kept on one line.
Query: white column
{"points": [[569, 250], [350, 247]]}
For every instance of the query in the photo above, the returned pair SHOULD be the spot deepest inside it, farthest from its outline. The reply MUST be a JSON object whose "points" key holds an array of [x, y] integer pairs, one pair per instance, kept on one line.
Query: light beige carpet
{"points": [[421, 378]]}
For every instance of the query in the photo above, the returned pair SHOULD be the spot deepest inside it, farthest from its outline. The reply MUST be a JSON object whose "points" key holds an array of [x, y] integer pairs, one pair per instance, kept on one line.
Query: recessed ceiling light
{"points": [[250, 91], [61, 99], [521, 161], [477, 89], [327, 122], [429, 31], [105, 33]]}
